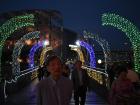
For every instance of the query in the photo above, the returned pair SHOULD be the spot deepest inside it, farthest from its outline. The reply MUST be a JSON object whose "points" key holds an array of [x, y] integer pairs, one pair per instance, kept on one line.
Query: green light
{"points": [[11, 26], [131, 31]]}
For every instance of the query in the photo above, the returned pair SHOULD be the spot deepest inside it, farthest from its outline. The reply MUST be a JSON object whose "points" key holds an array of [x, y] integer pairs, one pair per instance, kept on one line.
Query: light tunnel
{"points": [[11, 26], [43, 53], [78, 50], [103, 43], [17, 51], [88, 48]]}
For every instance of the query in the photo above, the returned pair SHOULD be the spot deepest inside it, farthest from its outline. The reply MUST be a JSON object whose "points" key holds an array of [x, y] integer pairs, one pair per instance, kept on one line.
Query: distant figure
{"points": [[121, 87], [46, 72], [111, 73], [40, 73], [65, 70], [71, 66], [80, 82], [55, 89]]}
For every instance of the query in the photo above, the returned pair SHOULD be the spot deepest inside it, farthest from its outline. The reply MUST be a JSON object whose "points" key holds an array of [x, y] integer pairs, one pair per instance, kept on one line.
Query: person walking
{"points": [[39, 73], [121, 87], [65, 70], [80, 82], [55, 89]]}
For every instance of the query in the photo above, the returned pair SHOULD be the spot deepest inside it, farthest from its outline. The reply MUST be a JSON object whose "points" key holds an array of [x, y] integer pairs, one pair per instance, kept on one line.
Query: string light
{"points": [[33, 75], [43, 53], [91, 53], [32, 52], [11, 26], [103, 43], [42, 57], [131, 31], [17, 50], [99, 76], [78, 50]]}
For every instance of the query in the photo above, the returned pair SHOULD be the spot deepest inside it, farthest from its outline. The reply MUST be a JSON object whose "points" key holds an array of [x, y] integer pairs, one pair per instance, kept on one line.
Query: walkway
{"points": [[27, 96]]}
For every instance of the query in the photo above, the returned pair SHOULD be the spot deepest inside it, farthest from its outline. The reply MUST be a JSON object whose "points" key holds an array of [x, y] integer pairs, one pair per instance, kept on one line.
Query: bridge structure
{"points": [[32, 46]]}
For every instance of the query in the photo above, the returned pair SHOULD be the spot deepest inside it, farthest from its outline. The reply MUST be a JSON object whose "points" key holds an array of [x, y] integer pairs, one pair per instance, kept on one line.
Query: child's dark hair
{"points": [[52, 58]]}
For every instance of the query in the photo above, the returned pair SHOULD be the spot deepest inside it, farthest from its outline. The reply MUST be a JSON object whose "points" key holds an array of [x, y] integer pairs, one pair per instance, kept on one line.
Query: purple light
{"points": [[32, 52], [91, 53]]}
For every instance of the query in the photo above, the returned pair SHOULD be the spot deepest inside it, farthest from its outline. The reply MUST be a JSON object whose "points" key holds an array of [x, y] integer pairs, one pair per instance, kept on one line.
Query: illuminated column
{"points": [[43, 53], [17, 50], [131, 31], [11, 26]]}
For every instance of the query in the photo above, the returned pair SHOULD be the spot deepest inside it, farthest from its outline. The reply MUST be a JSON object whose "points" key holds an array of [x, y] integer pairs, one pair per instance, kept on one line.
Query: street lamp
{"points": [[46, 42], [77, 42], [99, 61]]}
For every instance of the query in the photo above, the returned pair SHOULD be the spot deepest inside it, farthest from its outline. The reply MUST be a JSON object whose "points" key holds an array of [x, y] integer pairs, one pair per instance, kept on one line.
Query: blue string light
{"points": [[91, 53], [32, 52]]}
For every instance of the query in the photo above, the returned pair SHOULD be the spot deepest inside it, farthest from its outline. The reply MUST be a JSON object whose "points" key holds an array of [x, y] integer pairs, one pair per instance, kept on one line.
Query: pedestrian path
{"points": [[27, 96], [92, 99]]}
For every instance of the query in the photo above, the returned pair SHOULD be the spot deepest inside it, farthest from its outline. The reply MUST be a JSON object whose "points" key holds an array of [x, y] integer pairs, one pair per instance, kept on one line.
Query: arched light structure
{"points": [[17, 50], [91, 53], [78, 50], [103, 43], [43, 54], [11, 26], [32, 52], [131, 31]]}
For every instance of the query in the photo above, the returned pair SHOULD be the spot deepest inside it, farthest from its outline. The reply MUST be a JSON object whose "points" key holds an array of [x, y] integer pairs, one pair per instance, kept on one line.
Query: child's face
{"points": [[55, 67]]}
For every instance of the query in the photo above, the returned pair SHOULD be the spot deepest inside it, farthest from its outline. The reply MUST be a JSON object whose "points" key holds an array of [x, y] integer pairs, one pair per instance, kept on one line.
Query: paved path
{"points": [[27, 96]]}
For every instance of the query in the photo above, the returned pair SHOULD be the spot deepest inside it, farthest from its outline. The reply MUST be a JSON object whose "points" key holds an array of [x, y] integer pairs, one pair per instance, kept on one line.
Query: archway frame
{"points": [[78, 50], [91, 53], [11, 26], [17, 50], [43, 53], [131, 31], [102, 42]]}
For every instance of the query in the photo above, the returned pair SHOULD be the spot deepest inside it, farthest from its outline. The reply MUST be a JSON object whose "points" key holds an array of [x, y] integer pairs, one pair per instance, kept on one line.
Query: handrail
{"points": [[91, 69], [29, 69]]}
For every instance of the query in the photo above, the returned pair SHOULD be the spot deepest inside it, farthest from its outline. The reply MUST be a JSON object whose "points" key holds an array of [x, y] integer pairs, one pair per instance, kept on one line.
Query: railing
{"points": [[98, 81], [18, 81], [97, 74]]}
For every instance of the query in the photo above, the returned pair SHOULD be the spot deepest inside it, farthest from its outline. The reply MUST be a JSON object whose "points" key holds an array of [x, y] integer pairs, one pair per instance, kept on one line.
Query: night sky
{"points": [[86, 14]]}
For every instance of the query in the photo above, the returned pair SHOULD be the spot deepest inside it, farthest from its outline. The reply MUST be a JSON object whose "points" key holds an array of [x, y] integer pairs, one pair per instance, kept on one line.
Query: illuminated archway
{"points": [[17, 50], [103, 43], [78, 50], [12, 25], [131, 31], [43, 53], [91, 53], [32, 52]]}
